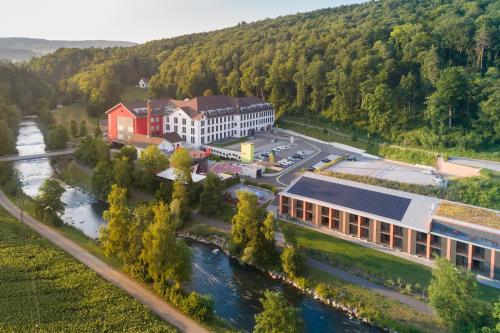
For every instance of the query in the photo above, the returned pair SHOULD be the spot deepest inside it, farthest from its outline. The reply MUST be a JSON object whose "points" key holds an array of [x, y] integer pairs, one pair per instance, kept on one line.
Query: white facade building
{"points": [[206, 119]]}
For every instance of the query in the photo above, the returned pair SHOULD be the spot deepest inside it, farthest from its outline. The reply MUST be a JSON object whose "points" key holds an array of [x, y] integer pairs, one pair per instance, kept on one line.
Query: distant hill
{"points": [[21, 49]]}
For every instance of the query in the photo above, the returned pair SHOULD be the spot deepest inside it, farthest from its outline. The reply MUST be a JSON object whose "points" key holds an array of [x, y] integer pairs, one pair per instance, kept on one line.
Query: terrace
{"points": [[475, 215]]}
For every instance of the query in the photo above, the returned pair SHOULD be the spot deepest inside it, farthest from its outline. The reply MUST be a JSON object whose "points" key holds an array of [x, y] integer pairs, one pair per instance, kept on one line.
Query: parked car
{"points": [[298, 156], [351, 158], [310, 169], [325, 160], [273, 140], [300, 152]]}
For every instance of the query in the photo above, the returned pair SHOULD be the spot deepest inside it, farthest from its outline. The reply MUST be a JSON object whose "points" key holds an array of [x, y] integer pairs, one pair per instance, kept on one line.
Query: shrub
{"points": [[198, 306]]}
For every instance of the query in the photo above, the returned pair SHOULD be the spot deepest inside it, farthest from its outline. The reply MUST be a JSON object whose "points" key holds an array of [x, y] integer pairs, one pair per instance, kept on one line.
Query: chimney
{"points": [[148, 119]]}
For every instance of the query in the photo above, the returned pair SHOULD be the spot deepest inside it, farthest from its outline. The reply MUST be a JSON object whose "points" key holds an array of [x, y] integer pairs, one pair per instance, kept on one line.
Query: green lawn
{"points": [[382, 310], [131, 94], [64, 115], [42, 285], [368, 262]]}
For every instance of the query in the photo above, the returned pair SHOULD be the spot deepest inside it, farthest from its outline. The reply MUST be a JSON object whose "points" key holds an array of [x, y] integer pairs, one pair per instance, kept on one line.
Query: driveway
{"points": [[145, 296]]}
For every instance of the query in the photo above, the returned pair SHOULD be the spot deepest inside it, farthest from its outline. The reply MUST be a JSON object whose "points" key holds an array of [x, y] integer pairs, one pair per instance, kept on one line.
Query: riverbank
{"points": [[354, 300]]}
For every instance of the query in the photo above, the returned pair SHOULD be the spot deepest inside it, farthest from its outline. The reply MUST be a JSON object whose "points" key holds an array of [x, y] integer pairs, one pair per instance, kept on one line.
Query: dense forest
{"points": [[422, 73]]}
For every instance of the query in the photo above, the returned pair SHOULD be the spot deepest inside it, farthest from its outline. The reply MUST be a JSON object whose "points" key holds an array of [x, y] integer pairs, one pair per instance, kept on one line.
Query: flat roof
{"points": [[380, 203], [470, 214]]}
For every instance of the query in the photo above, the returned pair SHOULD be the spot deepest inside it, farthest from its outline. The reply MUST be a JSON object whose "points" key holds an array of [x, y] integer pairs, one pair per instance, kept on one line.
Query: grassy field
{"points": [[379, 309], [368, 262], [322, 133], [64, 115], [45, 290], [131, 94]]}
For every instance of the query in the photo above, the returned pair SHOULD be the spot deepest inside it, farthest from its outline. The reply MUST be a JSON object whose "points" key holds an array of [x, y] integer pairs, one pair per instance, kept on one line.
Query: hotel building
{"points": [[198, 121], [418, 225]]}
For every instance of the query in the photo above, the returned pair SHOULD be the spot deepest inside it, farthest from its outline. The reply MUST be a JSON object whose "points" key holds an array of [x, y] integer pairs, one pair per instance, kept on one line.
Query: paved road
{"points": [[323, 151], [346, 276], [492, 165], [62, 152], [164, 310]]}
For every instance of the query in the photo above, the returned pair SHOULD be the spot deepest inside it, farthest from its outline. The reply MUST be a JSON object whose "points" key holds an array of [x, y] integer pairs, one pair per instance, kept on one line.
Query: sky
{"points": [[139, 20]]}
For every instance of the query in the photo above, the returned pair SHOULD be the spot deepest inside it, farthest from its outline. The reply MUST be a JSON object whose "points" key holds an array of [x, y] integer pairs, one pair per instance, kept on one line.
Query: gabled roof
{"points": [[197, 107], [172, 137], [144, 140]]}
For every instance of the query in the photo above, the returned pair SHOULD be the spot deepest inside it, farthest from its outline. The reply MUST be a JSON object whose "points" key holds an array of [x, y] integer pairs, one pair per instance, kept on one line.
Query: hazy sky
{"points": [[138, 20]]}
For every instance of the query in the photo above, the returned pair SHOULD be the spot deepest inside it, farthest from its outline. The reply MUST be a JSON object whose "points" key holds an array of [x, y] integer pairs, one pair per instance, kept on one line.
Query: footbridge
{"points": [[50, 153]]}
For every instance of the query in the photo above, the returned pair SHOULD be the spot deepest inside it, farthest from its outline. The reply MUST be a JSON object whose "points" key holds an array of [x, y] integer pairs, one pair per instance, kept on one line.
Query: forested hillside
{"points": [[21, 92], [423, 73]]}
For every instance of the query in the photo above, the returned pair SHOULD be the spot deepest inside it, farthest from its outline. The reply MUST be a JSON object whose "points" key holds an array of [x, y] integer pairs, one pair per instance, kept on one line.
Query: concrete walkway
{"points": [[145, 296], [346, 276]]}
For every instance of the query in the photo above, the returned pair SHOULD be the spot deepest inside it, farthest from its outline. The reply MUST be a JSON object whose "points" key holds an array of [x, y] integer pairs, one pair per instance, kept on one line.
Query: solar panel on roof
{"points": [[372, 202]]}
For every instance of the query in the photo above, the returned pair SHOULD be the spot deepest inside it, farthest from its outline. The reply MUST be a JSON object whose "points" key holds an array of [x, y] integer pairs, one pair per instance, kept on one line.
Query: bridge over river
{"points": [[50, 153]]}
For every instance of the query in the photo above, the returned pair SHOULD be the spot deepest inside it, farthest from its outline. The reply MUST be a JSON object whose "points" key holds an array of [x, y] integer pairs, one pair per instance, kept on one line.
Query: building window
{"points": [[398, 231], [385, 239], [192, 122], [202, 140], [353, 229], [176, 129], [398, 243], [202, 131], [183, 137], [462, 248], [421, 250], [192, 131], [184, 130], [192, 139], [175, 120], [385, 227], [203, 123]]}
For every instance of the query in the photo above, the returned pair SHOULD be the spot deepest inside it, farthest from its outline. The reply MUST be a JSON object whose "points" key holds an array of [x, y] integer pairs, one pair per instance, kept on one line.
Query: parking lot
{"points": [[385, 170], [286, 153]]}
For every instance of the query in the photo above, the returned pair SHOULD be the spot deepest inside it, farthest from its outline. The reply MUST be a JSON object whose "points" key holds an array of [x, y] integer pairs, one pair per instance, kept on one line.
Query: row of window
{"points": [[256, 115]]}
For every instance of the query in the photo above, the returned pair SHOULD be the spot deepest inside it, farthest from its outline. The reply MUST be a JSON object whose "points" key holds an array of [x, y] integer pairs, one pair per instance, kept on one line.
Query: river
{"points": [[236, 289]]}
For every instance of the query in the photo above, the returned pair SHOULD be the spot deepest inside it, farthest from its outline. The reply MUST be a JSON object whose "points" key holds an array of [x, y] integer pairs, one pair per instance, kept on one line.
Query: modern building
{"points": [[418, 225], [198, 121]]}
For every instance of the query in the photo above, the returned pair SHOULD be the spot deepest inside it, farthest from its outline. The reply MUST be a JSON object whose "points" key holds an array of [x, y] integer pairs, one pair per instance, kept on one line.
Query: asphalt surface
{"points": [[321, 151], [145, 296]]}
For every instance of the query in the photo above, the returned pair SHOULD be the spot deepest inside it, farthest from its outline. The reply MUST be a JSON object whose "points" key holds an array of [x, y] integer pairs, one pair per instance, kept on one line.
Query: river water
{"points": [[82, 210], [236, 289]]}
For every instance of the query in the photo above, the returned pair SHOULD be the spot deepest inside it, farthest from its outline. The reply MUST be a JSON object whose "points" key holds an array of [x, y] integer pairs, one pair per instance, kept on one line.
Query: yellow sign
{"points": [[247, 152]]}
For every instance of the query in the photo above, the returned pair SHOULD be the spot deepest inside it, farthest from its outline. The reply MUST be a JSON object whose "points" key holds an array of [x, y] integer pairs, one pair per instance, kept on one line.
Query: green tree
{"points": [[6, 138], [211, 197], [114, 237], [122, 172], [452, 90], [278, 316], [451, 294], [164, 192], [181, 162], [151, 161], [293, 261], [48, 200], [57, 138], [252, 232], [167, 259], [83, 128], [180, 202], [142, 217], [73, 129], [102, 179], [128, 151]]}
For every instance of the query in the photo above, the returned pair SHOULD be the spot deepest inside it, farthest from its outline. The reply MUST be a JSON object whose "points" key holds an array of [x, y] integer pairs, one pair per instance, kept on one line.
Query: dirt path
{"points": [[164, 310]]}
